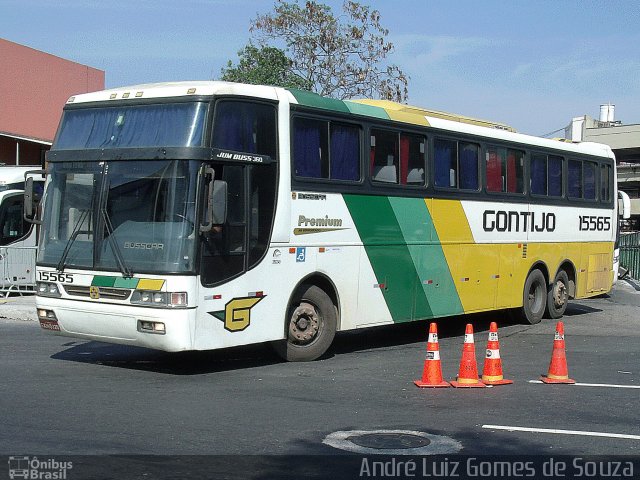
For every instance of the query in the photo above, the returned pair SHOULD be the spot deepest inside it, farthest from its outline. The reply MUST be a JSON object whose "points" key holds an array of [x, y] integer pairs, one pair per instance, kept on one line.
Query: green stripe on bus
{"points": [[99, 281], [389, 256], [126, 282], [428, 257], [314, 100], [368, 110]]}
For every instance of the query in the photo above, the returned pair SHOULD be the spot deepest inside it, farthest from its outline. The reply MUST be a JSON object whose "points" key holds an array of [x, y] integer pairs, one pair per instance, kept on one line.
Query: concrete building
{"points": [[624, 140], [34, 87]]}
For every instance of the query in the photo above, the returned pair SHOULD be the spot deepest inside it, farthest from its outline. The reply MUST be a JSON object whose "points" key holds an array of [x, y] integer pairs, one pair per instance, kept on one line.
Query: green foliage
{"points": [[307, 46], [263, 66]]}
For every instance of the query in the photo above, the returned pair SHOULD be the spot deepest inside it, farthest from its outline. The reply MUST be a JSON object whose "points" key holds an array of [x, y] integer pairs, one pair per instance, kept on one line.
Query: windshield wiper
{"points": [[126, 271], [76, 231]]}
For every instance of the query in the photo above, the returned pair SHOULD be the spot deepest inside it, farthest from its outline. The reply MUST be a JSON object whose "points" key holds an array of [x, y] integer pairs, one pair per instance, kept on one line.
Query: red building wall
{"points": [[34, 86]]}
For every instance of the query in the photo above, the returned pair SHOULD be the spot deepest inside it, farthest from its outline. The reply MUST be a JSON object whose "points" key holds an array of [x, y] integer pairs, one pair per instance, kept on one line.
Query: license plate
{"points": [[50, 325]]}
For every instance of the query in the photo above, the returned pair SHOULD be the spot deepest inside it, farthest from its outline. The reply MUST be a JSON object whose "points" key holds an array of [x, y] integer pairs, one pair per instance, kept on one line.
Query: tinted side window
{"points": [[310, 148], [12, 225], [546, 175], [384, 156], [456, 164], [323, 149], [345, 152], [589, 173], [574, 179], [446, 163], [505, 172], [245, 127], [555, 175], [538, 174], [412, 159]]}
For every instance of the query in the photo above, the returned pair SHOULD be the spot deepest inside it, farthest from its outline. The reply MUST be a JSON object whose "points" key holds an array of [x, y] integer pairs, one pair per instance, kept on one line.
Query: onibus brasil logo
{"points": [[36, 469]]}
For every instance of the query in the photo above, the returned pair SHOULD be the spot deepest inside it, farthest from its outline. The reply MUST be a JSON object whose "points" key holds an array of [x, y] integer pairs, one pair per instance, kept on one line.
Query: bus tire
{"points": [[534, 298], [558, 295], [311, 325]]}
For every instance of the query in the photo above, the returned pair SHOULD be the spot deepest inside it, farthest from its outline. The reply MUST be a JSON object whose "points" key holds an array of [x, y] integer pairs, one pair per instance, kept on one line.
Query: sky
{"points": [[531, 64]]}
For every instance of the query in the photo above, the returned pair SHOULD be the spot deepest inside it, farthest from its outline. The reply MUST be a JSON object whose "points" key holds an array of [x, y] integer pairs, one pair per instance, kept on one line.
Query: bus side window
{"points": [[574, 180], [385, 156], [12, 225], [589, 172], [412, 159], [469, 154], [245, 127], [310, 152], [446, 174], [345, 152], [554, 169]]}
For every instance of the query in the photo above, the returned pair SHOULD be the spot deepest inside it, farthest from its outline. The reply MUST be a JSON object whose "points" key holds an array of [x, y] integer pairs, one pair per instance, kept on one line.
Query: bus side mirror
{"points": [[28, 212], [216, 207], [624, 205], [219, 202]]}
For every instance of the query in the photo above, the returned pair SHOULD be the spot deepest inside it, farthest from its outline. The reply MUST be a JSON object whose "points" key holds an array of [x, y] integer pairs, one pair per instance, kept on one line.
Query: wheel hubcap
{"points": [[304, 324], [559, 294]]}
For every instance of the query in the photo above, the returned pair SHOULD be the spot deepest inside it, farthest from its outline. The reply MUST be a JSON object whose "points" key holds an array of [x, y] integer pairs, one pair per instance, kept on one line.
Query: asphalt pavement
{"points": [[63, 396]]}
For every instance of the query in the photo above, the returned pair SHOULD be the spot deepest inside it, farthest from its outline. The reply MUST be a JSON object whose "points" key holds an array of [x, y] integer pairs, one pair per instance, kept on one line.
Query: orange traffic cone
{"points": [[492, 371], [468, 372], [432, 371], [558, 371]]}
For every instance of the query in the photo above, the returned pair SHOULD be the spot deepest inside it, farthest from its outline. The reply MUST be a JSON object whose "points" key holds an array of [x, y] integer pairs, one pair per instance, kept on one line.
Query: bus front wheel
{"points": [[558, 295], [534, 299], [311, 325]]}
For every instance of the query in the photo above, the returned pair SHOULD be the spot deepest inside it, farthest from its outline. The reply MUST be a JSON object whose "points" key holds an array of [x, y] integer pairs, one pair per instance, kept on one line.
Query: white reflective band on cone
{"points": [[493, 336], [433, 355], [559, 336], [493, 353], [468, 338], [433, 338]]}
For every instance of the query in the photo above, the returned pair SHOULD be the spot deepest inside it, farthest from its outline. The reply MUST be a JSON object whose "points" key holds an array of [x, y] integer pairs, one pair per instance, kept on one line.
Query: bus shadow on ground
{"points": [[260, 355], [386, 336], [178, 363], [575, 309]]}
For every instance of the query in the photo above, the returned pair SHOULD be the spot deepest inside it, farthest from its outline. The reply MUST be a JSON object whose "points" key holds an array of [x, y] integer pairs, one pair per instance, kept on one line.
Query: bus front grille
{"points": [[103, 292]]}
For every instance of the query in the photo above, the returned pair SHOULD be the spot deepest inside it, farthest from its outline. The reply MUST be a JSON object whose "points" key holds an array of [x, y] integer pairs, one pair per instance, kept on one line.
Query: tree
{"points": [[263, 66], [340, 57]]}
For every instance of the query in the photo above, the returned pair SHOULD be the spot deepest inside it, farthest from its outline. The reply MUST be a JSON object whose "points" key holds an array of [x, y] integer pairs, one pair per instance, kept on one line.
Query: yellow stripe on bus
{"points": [[150, 284]]}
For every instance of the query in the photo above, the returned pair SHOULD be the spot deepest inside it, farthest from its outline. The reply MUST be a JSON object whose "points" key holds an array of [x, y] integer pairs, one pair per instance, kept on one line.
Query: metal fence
{"points": [[630, 253], [18, 268]]}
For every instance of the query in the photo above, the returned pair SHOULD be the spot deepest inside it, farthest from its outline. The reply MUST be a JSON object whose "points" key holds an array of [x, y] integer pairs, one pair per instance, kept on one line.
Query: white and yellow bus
{"points": [[204, 215]]}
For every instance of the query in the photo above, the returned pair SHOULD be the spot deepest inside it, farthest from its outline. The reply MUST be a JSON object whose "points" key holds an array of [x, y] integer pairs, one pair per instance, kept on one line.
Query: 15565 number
{"points": [[55, 277], [594, 223]]}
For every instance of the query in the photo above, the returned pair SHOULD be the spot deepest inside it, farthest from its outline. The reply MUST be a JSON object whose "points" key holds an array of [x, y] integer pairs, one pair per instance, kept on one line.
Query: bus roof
{"points": [[382, 109]]}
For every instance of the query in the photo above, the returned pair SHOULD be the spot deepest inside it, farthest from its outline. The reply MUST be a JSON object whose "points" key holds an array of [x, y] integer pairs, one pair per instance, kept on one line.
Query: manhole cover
{"points": [[389, 440], [392, 442]]}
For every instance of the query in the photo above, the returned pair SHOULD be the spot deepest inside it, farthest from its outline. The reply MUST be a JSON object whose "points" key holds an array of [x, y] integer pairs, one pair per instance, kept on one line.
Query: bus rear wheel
{"points": [[534, 299], [558, 295], [311, 325]]}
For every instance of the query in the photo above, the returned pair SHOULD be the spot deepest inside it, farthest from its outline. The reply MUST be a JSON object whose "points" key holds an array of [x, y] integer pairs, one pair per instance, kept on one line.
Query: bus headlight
{"points": [[47, 289], [159, 299]]}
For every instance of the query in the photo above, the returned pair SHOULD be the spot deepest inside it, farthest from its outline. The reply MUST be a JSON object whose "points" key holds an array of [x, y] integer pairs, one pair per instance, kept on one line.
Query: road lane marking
{"points": [[595, 385], [561, 432]]}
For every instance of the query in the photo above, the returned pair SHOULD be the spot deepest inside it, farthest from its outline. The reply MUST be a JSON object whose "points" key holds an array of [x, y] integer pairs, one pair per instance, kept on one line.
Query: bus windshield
{"points": [[163, 125], [127, 216]]}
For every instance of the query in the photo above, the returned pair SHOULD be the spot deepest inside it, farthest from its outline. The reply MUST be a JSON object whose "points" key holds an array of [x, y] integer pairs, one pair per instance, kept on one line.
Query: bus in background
{"points": [[17, 236], [204, 215]]}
